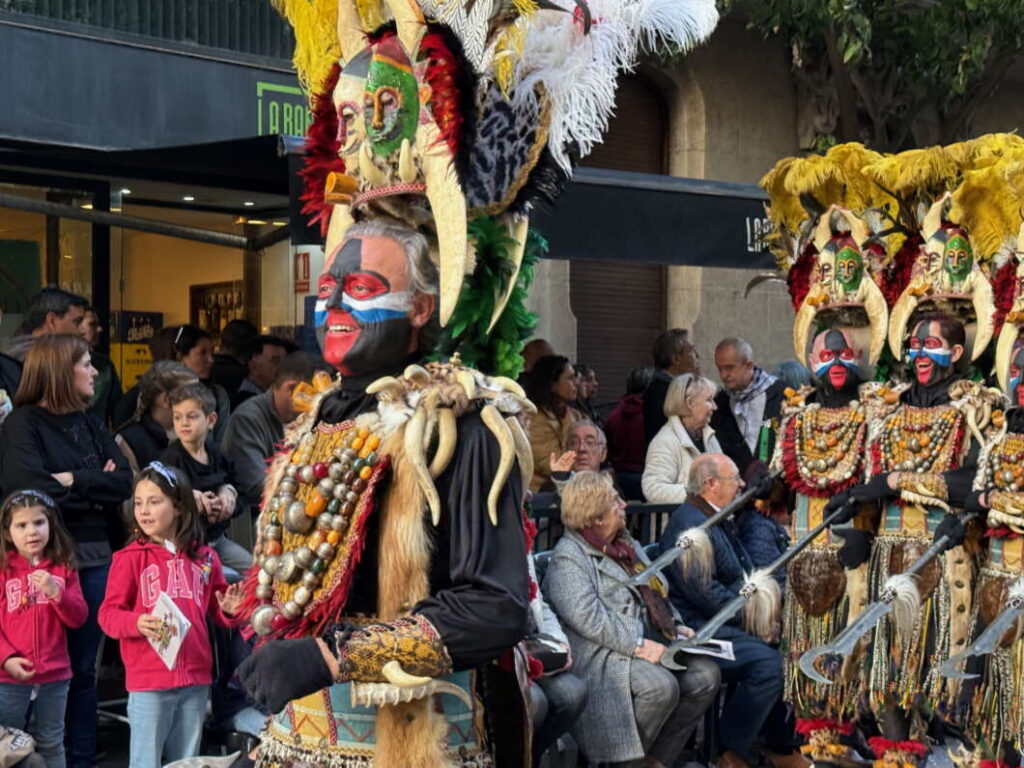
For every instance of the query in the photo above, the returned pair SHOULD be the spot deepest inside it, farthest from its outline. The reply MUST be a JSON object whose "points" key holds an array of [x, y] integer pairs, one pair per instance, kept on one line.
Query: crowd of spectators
{"points": [[209, 420]]}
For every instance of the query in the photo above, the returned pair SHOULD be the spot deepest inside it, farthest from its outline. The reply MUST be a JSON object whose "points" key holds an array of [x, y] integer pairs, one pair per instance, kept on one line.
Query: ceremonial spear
{"points": [[988, 640]]}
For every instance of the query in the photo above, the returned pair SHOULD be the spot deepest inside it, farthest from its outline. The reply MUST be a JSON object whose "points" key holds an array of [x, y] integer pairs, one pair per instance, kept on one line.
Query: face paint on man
{"points": [[835, 361], [1016, 392], [931, 354], [363, 304]]}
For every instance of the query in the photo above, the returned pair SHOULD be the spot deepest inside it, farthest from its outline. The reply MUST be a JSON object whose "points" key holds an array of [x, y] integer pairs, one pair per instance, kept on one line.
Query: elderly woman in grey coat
{"points": [[637, 709]]}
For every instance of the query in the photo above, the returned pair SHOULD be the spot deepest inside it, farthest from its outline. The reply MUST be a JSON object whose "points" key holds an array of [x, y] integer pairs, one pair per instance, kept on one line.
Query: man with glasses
{"points": [[586, 449], [754, 677]]}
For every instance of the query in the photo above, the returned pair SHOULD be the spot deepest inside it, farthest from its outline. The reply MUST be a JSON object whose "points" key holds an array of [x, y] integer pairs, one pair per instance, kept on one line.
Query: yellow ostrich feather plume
{"points": [[861, 190], [993, 145], [915, 172], [985, 204], [314, 24], [1013, 172], [783, 207]]}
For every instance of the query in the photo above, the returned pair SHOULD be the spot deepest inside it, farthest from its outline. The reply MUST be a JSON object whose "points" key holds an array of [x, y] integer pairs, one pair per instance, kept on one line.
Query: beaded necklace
{"points": [[1004, 468], [828, 443], [310, 514], [921, 439]]}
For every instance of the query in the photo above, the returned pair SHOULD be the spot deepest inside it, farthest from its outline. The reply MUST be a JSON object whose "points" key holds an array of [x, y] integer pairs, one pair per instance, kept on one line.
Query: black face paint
{"points": [[930, 355], [839, 378], [1016, 392], [361, 335]]}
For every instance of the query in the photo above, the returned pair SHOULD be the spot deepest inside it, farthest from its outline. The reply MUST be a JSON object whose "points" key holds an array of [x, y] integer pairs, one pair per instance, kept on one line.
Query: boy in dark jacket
{"points": [[209, 471]]}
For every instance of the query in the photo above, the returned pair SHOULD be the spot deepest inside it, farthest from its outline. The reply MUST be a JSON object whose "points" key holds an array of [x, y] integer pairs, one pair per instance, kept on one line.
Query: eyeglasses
{"points": [[589, 442], [735, 477]]}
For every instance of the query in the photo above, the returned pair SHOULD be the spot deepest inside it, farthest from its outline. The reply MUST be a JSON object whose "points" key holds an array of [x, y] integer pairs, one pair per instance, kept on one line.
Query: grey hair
{"points": [[681, 389], [742, 346], [582, 423], [703, 468], [422, 270]]}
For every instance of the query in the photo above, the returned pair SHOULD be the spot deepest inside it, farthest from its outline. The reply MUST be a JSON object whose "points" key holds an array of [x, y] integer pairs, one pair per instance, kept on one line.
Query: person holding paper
{"points": [[636, 708], [43, 600], [161, 589]]}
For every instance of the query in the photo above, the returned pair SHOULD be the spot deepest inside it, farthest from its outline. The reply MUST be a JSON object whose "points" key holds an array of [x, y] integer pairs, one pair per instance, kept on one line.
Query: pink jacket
{"points": [[33, 626], [138, 574]]}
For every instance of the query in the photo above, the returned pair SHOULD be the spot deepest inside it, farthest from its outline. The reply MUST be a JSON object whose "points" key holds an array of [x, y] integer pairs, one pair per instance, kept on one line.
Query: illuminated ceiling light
{"points": [[248, 203], [279, 223], [257, 222], [67, 255], [126, 191], [87, 206], [188, 198]]}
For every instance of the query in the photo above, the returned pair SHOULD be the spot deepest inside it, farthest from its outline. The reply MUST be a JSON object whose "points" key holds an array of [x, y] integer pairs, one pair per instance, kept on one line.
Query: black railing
{"points": [[645, 522], [245, 26]]}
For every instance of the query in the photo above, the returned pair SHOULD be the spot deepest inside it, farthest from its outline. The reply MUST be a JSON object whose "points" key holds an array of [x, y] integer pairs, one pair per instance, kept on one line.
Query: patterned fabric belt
{"points": [[329, 729], [910, 520]]}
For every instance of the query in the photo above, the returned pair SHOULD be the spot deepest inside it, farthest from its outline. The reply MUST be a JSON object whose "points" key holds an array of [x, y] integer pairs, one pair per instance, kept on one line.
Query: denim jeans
{"points": [[235, 560], [47, 717], [83, 647], [166, 725]]}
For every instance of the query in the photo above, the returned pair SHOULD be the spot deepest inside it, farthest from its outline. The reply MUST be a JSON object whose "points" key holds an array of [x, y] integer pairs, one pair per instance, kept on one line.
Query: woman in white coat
{"points": [[689, 404]]}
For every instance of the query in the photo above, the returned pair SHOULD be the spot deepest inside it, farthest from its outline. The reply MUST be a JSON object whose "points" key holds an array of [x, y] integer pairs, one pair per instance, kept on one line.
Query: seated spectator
{"points": [[674, 354], [586, 392], [193, 348], [257, 427], [754, 703], [229, 364], [636, 707], [161, 347], [551, 387], [558, 696], [688, 406], [265, 354], [147, 435], [209, 472], [625, 430], [533, 351]]}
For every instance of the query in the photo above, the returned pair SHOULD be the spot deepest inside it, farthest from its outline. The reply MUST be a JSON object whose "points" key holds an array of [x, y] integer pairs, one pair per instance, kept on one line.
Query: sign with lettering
{"points": [[130, 333], [281, 109]]}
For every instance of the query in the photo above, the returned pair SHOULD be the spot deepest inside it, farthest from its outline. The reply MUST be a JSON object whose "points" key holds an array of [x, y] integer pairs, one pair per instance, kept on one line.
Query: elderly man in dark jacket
{"points": [[755, 676]]}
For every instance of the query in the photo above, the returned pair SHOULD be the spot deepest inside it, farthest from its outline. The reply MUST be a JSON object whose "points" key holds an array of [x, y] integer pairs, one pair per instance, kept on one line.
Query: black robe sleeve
{"points": [[480, 585]]}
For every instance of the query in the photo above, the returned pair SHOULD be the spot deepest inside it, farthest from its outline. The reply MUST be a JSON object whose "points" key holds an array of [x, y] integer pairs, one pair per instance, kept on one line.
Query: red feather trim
{"points": [[992, 764], [322, 147], [442, 77], [799, 277], [810, 725], [1003, 287], [880, 745], [1001, 533], [894, 279]]}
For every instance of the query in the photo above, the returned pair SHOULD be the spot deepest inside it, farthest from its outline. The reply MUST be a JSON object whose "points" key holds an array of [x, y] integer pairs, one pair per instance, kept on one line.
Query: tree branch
{"points": [[849, 126], [952, 126]]}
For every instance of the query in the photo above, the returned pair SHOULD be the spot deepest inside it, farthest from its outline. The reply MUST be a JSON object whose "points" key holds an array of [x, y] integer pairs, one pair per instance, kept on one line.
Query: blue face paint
{"points": [[822, 368], [364, 316], [941, 357], [1014, 383]]}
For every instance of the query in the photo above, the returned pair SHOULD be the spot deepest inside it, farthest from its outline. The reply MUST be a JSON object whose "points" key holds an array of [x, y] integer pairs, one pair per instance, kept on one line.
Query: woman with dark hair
{"points": [[147, 435], [551, 386], [193, 348], [51, 443]]}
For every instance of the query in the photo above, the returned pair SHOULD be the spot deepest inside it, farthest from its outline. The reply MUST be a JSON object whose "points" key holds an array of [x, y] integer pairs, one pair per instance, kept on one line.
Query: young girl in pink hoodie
{"points": [[166, 707], [41, 599]]}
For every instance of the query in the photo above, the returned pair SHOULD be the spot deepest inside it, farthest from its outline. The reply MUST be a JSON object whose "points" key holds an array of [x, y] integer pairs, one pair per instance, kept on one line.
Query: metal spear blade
{"points": [[986, 643], [845, 641]]}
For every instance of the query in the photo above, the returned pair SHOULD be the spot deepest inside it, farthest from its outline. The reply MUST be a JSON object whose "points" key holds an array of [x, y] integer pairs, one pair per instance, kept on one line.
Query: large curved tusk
{"points": [[409, 23], [878, 317], [406, 167], [802, 330], [985, 310], [417, 374], [1004, 353], [467, 382], [524, 452], [448, 204], [368, 170], [527, 405], [446, 435], [518, 230], [383, 384], [508, 385], [898, 319], [350, 30], [493, 420], [413, 441], [394, 674], [341, 221]]}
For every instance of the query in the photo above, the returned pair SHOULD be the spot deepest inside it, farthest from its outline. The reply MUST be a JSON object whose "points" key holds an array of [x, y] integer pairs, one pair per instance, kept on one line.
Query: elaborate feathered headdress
{"points": [[436, 112]]}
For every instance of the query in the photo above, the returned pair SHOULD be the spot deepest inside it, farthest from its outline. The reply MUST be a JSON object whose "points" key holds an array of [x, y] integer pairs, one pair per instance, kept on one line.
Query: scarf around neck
{"points": [[744, 402]]}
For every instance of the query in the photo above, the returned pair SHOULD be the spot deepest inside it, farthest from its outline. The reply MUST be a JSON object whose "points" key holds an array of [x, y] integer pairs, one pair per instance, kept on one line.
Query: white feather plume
{"points": [[906, 607], [697, 560], [763, 610]]}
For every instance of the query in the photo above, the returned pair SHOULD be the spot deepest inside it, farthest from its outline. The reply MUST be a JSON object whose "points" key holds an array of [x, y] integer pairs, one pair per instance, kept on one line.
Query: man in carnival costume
{"points": [[392, 553], [820, 452]]}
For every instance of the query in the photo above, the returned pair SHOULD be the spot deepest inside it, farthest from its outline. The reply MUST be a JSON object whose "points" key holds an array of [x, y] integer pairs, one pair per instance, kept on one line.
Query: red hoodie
{"points": [[32, 626], [625, 430], [138, 574]]}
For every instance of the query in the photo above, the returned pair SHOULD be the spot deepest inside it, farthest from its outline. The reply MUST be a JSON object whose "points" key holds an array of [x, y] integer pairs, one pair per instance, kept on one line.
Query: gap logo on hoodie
{"points": [[22, 592], [186, 580]]}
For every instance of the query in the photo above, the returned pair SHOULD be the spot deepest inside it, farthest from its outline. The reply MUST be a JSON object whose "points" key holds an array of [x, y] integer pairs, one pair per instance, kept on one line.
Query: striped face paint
{"points": [[363, 304]]}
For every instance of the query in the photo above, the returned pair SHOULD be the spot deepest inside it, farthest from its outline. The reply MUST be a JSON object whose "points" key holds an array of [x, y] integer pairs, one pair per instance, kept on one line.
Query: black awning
{"points": [[646, 218]]}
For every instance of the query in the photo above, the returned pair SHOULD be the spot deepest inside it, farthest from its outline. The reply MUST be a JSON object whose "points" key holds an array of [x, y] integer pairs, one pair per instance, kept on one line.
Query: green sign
{"points": [[281, 109]]}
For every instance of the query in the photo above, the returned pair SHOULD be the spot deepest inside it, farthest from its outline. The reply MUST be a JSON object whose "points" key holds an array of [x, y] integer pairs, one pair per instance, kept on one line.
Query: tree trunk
{"points": [[849, 126]]}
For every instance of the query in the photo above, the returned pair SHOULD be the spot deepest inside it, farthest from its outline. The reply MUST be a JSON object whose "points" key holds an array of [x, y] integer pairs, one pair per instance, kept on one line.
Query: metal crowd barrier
{"points": [[645, 522]]}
